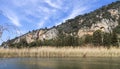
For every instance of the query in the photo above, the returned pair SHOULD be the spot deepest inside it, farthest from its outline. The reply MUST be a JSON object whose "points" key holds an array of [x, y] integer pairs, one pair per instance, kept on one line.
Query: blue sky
{"points": [[27, 15]]}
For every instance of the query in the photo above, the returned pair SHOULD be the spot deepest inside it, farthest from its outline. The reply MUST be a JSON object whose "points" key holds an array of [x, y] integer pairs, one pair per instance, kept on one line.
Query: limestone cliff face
{"points": [[105, 24], [50, 34], [39, 35]]}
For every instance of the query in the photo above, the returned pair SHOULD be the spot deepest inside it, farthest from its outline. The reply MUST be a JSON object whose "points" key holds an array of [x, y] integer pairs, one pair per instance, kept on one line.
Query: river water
{"points": [[59, 63]]}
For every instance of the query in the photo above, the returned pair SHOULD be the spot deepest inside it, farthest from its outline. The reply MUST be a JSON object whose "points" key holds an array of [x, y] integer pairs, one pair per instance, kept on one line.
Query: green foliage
{"points": [[107, 39], [114, 39], [81, 41], [119, 20], [32, 44], [71, 41], [67, 41], [117, 29], [88, 39], [22, 43], [97, 37], [107, 15]]}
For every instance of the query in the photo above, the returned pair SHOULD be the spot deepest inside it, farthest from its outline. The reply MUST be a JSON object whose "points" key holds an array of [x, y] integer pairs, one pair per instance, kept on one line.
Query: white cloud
{"points": [[41, 24], [54, 4], [35, 11], [76, 12], [12, 17], [23, 3], [44, 9], [78, 8], [21, 32]]}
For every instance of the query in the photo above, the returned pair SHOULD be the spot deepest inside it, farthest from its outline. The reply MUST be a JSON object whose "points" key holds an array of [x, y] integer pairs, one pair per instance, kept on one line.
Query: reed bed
{"points": [[60, 52]]}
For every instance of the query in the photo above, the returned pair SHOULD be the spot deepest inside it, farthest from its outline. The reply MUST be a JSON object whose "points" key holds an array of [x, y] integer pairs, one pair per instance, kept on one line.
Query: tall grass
{"points": [[61, 52]]}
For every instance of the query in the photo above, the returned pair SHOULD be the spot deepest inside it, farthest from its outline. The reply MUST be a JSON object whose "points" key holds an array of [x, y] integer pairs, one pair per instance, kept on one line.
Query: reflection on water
{"points": [[60, 63]]}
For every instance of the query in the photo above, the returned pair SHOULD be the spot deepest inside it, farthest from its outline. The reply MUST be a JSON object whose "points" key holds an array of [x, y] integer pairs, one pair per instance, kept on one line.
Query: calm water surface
{"points": [[59, 63]]}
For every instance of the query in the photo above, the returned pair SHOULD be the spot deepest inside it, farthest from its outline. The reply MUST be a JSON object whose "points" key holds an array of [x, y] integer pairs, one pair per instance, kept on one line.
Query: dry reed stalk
{"points": [[61, 52]]}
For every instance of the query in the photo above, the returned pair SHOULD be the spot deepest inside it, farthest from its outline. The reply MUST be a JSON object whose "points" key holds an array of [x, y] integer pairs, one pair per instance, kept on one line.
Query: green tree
{"points": [[32, 44], [71, 41], [81, 41], [119, 19], [114, 39], [106, 39], [22, 43], [88, 39], [97, 37], [117, 29], [39, 43]]}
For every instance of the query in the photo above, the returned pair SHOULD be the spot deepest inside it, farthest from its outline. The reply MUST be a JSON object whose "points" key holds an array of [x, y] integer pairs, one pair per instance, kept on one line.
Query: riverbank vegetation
{"points": [[62, 52], [99, 38]]}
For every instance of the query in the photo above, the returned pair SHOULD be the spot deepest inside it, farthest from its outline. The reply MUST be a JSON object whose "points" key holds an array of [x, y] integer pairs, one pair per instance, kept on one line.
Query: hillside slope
{"points": [[106, 19]]}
